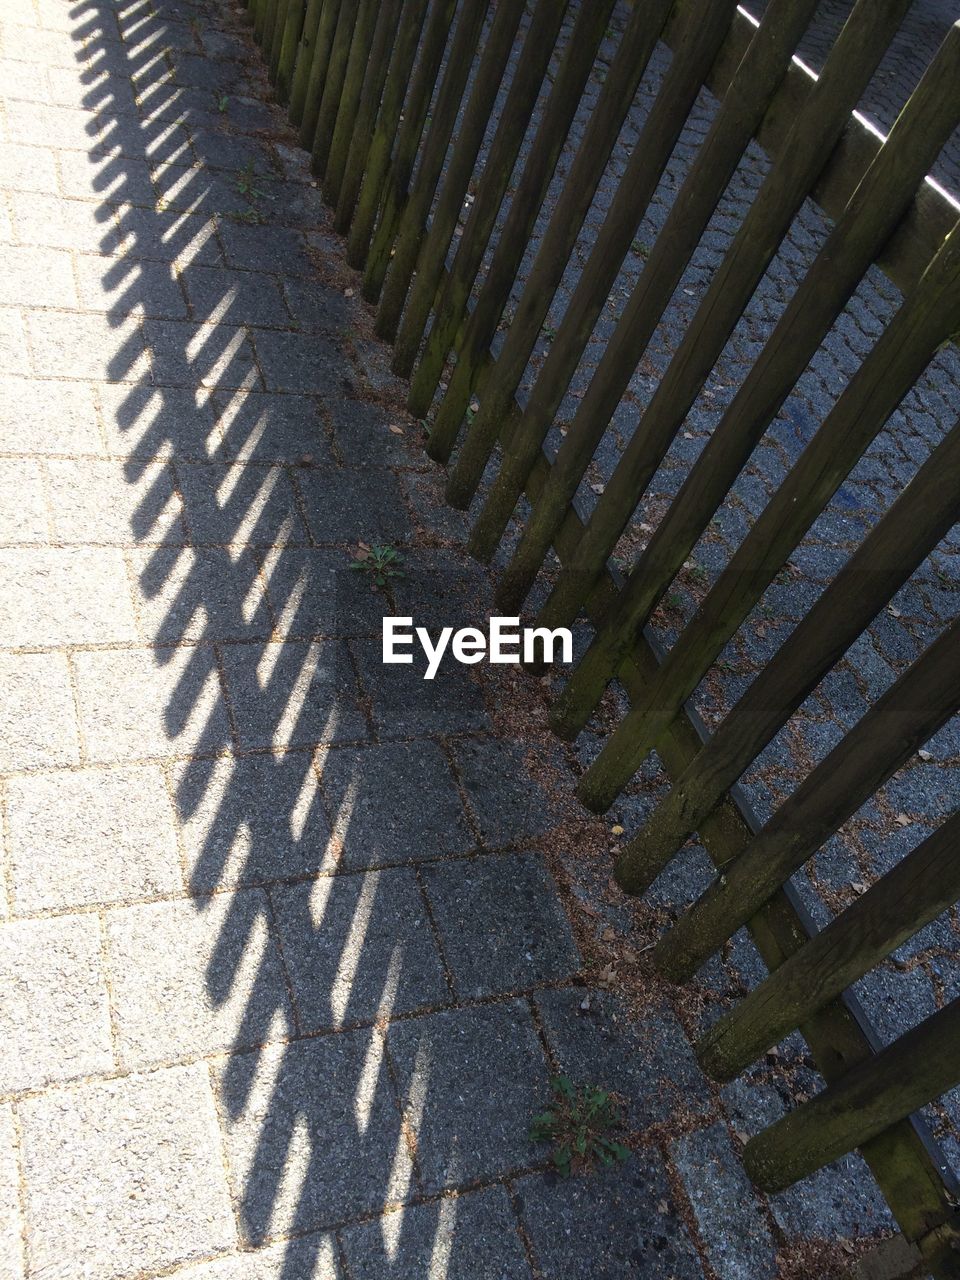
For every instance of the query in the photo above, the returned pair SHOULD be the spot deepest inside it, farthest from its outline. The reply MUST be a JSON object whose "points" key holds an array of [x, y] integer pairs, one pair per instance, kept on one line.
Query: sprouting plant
{"points": [[380, 562], [579, 1124], [640, 249], [223, 101], [253, 217], [549, 332], [247, 178]]}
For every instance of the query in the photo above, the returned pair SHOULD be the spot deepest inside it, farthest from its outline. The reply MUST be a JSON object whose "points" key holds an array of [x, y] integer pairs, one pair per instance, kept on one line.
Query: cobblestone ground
{"points": [[289, 944]]}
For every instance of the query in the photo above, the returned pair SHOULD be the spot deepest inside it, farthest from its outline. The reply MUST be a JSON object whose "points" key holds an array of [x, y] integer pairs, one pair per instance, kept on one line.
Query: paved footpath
{"points": [[284, 963]]}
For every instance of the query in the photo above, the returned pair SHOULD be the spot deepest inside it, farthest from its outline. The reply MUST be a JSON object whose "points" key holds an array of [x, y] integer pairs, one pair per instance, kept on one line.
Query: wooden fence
{"points": [[410, 109]]}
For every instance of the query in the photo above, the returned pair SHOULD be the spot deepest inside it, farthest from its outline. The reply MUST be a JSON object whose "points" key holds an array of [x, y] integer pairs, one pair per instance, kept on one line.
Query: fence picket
{"points": [[315, 74], [873, 213], [924, 321]]}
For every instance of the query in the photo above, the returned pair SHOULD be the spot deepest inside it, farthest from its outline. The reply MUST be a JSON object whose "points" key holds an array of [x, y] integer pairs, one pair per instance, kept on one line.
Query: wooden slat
{"points": [[431, 157], [849, 67], [874, 211], [911, 895], [412, 18], [349, 101], [374, 79], [317, 72], [334, 81], [449, 304], [315, 22], [892, 367], [478, 327], [425, 254], [913, 1071], [293, 26], [566, 221], [738, 116], [896, 725]]}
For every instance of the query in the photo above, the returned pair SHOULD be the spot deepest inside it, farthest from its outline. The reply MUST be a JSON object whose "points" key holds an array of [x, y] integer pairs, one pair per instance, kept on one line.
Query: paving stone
{"points": [[267, 248], [317, 306], [83, 178], [91, 501], [37, 125], [293, 695], [202, 594], [56, 223], [135, 704], [14, 353], [124, 287], [451, 1069], [89, 346], [294, 361], [23, 509], [38, 723], [312, 1257], [608, 1225], [647, 1060], [48, 417], [364, 436], [350, 504], [35, 277], [124, 1175], [728, 1214], [314, 592], [443, 588], [231, 837], [509, 806], [405, 705], [64, 595], [26, 168], [239, 504], [531, 940], [358, 947], [184, 354], [258, 426], [79, 838], [393, 804], [11, 1240], [312, 1134], [221, 294], [194, 976], [169, 236], [54, 1019], [143, 422], [469, 1237]]}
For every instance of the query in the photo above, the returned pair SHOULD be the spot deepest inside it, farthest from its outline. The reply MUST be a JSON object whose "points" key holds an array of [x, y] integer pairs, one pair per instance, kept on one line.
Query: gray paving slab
{"points": [[11, 1224], [124, 1175], [393, 804], [312, 1134], [358, 948], [83, 837], [467, 1237], [450, 1068], [54, 1014], [64, 595], [614, 1225], [501, 923], [192, 977]]}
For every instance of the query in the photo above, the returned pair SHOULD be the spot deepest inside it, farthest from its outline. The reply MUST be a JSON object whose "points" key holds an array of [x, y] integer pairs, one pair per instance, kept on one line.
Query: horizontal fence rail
{"points": [[464, 148]]}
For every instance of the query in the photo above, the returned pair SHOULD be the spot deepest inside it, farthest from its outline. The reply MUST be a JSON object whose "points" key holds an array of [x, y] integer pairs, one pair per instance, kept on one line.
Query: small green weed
{"points": [[380, 562], [247, 179], [579, 1125], [223, 101]]}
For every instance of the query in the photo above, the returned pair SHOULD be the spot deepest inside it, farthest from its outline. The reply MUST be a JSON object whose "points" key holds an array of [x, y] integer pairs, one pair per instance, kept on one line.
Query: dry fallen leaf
{"points": [[397, 431], [925, 756], [616, 829], [597, 488], [348, 293], [902, 820]]}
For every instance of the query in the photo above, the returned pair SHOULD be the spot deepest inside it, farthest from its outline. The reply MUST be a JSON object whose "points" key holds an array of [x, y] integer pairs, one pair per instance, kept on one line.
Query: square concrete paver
{"points": [[252, 820], [621, 1224], [293, 695], [54, 1019], [38, 719], [64, 595], [405, 705], [198, 594], [93, 501], [11, 1226], [311, 1257], [647, 1060], [252, 504], [351, 504], [471, 1081], [506, 801], [23, 508], [257, 426], [312, 1133], [468, 1237], [137, 703], [92, 836], [124, 1176], [358, 947], [194, 976], [48, 417], [501, 923], [393, 803]]}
